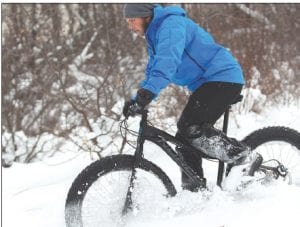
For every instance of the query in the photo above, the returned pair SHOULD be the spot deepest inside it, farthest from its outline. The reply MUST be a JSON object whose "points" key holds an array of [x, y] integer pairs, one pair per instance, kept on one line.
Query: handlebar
{"points": [[136, 109]]}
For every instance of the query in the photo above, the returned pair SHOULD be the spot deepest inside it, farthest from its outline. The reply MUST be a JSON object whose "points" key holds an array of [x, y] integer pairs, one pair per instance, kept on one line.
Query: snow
{"points": [[255, 14], [256, 206], [34, 194], [80, 59]]}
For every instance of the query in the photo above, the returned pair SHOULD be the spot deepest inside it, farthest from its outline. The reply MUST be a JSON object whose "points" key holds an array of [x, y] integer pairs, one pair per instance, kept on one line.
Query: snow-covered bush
{"points": [[254, 99], [19, 147], [288, 85], [65, 79]]}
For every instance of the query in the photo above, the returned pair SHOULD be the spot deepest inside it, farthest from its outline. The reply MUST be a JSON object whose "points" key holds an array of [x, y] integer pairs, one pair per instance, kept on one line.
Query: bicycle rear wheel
{"points": [[97, 195], [281, 144]]}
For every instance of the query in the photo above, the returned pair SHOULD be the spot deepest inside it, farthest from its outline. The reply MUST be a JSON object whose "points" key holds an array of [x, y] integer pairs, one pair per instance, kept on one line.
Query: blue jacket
{"points": [[182, 53]]}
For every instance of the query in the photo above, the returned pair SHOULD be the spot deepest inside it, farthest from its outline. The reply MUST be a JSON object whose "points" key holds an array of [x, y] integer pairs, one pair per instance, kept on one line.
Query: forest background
{"points": [[67, 69]]}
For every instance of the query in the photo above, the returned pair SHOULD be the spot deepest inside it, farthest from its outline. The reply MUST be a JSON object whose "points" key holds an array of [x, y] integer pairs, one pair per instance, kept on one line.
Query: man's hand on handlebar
{"points": [[133, 107]]}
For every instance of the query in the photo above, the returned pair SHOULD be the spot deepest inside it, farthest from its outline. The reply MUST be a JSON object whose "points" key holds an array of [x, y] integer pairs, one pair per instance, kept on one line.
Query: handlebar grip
{"points": [[134, 109]]}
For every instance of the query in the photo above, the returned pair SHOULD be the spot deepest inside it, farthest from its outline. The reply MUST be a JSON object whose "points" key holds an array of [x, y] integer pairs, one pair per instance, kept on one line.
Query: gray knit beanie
{"points": [[133, 10]]}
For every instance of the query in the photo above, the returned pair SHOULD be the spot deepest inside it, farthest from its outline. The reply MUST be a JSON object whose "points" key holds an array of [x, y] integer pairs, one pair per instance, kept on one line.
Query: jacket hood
{"points": [[160, 13]]}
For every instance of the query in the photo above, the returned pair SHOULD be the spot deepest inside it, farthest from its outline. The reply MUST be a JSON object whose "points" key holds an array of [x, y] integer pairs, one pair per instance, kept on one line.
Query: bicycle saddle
{"points": [[238, 99]]}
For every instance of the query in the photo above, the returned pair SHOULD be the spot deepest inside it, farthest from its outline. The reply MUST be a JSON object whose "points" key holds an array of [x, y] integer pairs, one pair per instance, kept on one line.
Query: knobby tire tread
{"points": [[269, 134], [99, 168]]}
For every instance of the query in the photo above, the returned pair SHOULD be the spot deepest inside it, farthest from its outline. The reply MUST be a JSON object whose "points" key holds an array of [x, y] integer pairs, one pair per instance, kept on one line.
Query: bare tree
{"points": [[66, 66]]}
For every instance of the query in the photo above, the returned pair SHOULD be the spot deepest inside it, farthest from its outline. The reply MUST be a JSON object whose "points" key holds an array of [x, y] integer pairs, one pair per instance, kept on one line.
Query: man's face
{"points": [[138, 25]]}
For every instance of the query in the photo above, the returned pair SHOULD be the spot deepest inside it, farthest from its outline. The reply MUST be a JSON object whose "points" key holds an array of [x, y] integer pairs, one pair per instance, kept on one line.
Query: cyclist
{"points": [[183, 53]]}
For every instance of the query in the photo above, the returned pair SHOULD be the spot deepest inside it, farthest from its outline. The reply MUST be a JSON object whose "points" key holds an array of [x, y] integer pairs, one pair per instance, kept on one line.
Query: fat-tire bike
{"points": [[106, 190]]}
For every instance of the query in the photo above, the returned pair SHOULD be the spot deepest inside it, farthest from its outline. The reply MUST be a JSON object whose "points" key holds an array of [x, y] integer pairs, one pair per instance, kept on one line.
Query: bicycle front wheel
{"points": [[281, 144], [97, 195]]}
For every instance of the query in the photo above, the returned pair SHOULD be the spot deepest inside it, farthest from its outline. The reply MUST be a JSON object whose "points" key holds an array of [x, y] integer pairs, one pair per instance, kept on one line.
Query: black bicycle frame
{"points": [[161, 138]]}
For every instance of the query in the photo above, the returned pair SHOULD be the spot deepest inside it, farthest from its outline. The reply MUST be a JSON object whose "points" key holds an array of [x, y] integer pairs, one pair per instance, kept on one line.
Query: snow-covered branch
{"points": [[80, 59], [80, 18], [255, 14]]}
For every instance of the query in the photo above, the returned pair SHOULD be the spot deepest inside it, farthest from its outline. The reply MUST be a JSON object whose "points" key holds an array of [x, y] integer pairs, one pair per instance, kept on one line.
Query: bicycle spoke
{"points": [[106, 197], [283, 152], [295, 166]]}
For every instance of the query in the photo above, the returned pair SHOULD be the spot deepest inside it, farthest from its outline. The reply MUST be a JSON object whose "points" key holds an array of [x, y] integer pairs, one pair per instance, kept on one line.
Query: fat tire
{"points": [[269, 134], [99, 168]]}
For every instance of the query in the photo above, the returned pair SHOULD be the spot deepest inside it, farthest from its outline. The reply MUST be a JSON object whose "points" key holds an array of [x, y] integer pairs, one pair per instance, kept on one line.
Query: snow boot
{"points": [[216, 144], [252, 163]]}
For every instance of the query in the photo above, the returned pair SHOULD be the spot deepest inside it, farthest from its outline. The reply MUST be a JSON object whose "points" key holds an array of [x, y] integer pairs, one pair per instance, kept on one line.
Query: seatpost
{"points": [[221, 164], [226, 120]]}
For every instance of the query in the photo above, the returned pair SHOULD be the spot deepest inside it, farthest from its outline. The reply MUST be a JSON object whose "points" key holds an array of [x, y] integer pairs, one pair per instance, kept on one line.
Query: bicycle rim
{"points": [[104, 201], [286, 154]]}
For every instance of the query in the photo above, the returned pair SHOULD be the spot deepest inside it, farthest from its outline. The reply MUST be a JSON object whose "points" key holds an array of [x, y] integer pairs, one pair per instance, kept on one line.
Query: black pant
{"points": [[208, 103], [205, 106]]}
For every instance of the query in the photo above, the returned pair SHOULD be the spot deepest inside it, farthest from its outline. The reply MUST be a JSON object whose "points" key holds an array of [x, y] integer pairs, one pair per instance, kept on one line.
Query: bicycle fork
{"points": [[138, 156], [137, 159]]}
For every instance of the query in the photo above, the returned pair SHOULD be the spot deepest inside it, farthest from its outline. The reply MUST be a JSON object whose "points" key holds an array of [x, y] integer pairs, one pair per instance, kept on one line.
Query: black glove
{"points": [[126, 107], [144, 97], [133, 107]]}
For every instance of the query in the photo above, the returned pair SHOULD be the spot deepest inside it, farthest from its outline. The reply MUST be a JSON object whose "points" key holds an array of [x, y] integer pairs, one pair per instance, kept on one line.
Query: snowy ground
{"points": [[34, 194]]}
